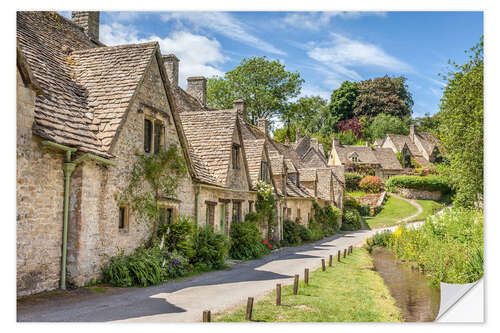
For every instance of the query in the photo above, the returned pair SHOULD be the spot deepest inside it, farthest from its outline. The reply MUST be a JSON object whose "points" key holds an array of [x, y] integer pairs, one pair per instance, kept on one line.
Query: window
{"points": [[263, 171], [123, 218], [236, 211], [298, 213], [170, 213], [354, 157], [288, 213], [158, 133], [148, 134], [222, 218], [250, 206], [236, 156], [165, 216]]}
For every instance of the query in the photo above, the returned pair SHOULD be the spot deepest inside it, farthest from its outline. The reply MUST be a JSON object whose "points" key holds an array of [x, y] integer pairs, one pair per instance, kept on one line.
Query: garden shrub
{"points": [[351, 203], [291, 233], [246, 241], [304, 233], [429, 183], [379, 239], [317, 232], [210, 249], [448, 246], [371, 184], [351, 219], [252, 217], [352, 180], [327, 218], [363, 209], [178, 235]]}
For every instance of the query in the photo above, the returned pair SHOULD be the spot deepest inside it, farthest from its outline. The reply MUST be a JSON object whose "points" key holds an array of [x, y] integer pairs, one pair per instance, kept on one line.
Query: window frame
{"points": [[235, 154], [160, 127], [123, 227], [236, 215], [148, 138]]}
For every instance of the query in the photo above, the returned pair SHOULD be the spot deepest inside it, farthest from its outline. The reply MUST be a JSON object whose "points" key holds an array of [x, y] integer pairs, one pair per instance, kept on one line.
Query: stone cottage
{"points": [[383, 160], [424, 148], [84, 110]]}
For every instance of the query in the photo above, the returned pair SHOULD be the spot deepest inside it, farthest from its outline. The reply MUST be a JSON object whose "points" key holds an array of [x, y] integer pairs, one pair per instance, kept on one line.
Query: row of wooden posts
{"points": [[248, 314]]}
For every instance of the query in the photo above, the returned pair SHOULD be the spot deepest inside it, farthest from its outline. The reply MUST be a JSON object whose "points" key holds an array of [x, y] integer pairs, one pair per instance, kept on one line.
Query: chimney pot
{"points": [[89, 21], [241, 107], [197, 87], [171, 63]]}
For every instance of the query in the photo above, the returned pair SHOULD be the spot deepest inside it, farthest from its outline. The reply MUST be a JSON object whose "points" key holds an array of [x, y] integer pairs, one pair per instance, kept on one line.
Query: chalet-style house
{"points": [[423, 147], [84, 112], [383, 160]]}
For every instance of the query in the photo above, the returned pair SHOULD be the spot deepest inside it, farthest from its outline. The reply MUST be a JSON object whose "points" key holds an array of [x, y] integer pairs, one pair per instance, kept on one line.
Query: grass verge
{"points": [[429, 208], [394, 210], [348, 292]]}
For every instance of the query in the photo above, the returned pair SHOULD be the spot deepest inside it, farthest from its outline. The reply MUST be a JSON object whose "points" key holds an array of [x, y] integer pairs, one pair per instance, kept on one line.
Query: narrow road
{"points": [[184, 301]]}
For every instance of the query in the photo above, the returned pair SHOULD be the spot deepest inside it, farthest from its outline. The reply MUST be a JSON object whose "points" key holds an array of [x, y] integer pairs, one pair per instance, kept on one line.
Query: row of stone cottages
{"points": [[84, 110]]}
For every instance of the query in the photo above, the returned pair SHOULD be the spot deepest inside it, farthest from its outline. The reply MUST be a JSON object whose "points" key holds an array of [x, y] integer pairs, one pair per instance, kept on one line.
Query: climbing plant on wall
{"points": [[266, 206], [153, 177]]}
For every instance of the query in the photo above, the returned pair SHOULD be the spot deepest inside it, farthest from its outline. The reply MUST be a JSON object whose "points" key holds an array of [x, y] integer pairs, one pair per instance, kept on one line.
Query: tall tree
{"points": [[461, 126], [427, 123], [383, 95], [220, 93], [342, 100], [307, 113], [265, 86], [384, 124]]}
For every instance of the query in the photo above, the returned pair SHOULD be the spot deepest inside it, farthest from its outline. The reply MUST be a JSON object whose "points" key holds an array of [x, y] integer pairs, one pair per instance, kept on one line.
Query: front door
{"points": [[222, 222]]}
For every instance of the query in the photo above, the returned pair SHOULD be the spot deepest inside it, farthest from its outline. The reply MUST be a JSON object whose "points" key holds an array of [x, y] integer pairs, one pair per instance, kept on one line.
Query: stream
{"points": [[418, 301]]}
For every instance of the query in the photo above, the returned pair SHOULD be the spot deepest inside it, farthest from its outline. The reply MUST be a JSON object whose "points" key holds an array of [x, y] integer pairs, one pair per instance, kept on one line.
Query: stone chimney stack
{"points": [[89, 21], [197, 87], [171, 63], [263, 125], [297, 135], [287, 140], [241, 107], [315, 143], [412, 133], [336, 142]]}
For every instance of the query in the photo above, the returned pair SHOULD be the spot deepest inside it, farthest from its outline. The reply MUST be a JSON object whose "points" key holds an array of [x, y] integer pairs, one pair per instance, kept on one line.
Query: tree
{"points": [[427, 123], [461, 127], [384, 124], [342, 101], [265, 86], [281, 134], [383, 95], [307, 113], [220, 94], [154, 176]]}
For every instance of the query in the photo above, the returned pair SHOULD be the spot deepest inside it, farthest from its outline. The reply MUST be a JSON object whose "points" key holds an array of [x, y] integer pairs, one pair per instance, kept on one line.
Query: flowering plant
{"points": [[175, 264], [268, 244]]}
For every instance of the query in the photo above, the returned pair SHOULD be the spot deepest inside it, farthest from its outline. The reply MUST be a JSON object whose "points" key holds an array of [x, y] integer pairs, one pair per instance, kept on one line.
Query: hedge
{"points": [[352, 180], [429, 183]]}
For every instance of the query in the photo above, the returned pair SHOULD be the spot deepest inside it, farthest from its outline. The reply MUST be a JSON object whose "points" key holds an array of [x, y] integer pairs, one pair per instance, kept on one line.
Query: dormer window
{"points": [[354, 157], [236, 156]]}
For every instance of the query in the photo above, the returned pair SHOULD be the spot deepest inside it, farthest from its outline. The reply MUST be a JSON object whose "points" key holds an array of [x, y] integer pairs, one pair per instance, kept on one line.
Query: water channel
{"points": [[418, 301]]}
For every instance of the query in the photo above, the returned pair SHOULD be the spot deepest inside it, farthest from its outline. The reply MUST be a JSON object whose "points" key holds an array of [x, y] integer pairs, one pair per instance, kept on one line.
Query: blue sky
{"points": [[326, 48]]}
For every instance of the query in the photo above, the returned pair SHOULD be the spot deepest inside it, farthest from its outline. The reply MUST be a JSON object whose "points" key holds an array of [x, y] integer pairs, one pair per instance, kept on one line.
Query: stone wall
{"points": [[304, 205], [419, 194], [369, 199], [39, 201]]}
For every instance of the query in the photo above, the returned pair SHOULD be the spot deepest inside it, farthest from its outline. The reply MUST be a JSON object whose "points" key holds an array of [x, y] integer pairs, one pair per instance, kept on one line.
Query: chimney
{"points": [[412, 133], [197, 87], [297, 135], [171, 63], [336, 142], [315, 143], [241, 107], [287, 140], [263, 125], [89, 21]]}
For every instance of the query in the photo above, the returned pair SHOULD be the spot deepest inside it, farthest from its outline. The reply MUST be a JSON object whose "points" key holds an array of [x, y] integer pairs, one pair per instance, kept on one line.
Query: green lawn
{"points": [[430, 208], [394, 210], [356, 194], [348, 292]]}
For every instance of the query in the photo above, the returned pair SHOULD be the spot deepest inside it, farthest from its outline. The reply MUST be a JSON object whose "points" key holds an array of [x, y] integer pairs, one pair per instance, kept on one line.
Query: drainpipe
{"points": [[196, 194], [68, 168]]}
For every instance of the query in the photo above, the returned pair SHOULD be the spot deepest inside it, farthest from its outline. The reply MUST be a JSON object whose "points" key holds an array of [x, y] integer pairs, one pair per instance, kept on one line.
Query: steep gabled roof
{"points": [[277, 163], [210, 138], [254, 150], [400, 140], [307, 175], [428, 140], [297, 191], [387, 158], [365, 154]]}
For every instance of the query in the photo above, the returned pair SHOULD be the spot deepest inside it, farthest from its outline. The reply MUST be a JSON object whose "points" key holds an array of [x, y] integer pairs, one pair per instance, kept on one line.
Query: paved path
{"points": [[184, 301]]}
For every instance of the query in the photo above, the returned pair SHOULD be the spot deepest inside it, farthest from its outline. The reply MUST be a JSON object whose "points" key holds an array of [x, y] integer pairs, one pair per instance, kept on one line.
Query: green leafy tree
{"points": [[384, 124], [220, 93], [307, 113], [427, 123], [461, 127], [383, 95], [281, 134], [341, 107], [265, 86], [154, 176]]}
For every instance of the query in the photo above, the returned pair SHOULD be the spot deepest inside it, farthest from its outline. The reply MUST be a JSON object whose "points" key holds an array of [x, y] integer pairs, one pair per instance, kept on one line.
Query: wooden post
{"points": [[345, 252], [206, 316], [330, 261], [352, 248], [278, 294], [296, 284], [306, 276], [338, 256], [248, 315], [323, 268]]}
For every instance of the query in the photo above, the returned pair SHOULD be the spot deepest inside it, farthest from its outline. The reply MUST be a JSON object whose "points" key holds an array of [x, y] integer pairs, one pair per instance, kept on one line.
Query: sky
{"points": [[326, 48]]}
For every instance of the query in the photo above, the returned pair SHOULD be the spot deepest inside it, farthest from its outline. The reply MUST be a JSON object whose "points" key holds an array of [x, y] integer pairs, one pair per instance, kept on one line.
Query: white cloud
{"points": [[198, 55], [313, 90], [340, 56], [317, 20], [224, 24]]}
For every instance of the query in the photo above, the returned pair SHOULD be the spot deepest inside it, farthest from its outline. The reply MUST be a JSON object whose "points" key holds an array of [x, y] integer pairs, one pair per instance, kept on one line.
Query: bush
{"points": [[352, 180], [448, 246], [176, 265], [371, 184], [327, 218], [291, 233], [317, 232], [351, 203], [178, 235], [429, 183], [246, 241], [304, 233], [210, 249], [252, 217], [351, 219], [379, 239], [364, 210]]}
